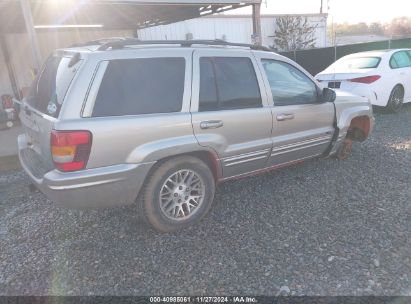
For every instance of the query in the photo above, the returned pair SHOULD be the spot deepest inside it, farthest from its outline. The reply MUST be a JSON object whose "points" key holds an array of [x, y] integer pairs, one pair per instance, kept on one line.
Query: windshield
{"points": [[49, 88], [357, 63]]}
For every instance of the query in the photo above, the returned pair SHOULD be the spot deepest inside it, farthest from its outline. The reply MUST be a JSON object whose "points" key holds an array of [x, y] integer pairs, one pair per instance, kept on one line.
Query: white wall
{"points": [[232, 28], [235, 29]]}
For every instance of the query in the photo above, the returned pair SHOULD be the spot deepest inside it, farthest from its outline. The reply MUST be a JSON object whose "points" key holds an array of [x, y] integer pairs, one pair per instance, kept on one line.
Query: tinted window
{"points": [[141, 86], [48, 90], [400, 60], [288, 84], [228, 83], [357, 63], [208, 89]]}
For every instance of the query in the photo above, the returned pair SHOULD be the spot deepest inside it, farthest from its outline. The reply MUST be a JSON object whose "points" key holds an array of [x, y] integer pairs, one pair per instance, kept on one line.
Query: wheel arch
{"points": [[210, 158], [359, 128], [399, 84], [349, 114]]}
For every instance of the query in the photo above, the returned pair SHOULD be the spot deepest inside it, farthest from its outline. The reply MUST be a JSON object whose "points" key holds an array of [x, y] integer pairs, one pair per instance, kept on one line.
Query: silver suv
{"points": [[162, 122]]}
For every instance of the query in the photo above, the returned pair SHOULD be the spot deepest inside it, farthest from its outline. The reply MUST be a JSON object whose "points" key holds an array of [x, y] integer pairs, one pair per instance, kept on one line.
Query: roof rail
{"points": [[119, 43], [100, 42]]}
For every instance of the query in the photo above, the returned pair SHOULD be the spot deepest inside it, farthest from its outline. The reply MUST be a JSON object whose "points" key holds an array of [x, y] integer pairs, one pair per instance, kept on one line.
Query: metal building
{"points": [[233, 28]]}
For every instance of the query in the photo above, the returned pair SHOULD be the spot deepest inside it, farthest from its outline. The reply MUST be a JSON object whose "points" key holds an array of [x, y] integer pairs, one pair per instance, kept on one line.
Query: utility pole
{"points": [[257, 24], [321, 7]]}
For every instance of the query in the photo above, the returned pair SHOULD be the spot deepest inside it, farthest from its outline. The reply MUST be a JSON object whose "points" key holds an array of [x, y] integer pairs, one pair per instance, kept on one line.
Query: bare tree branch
{"points": [[294, 33]]}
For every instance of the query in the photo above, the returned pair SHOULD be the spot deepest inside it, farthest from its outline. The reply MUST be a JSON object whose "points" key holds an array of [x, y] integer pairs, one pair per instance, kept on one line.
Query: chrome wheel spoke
{"points": [[189, 177], [181, 210], [169, 190], [170, 208]]}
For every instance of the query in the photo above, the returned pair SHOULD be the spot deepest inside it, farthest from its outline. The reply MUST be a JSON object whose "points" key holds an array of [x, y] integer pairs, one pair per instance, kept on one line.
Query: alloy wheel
{"points": [[181, 194]]}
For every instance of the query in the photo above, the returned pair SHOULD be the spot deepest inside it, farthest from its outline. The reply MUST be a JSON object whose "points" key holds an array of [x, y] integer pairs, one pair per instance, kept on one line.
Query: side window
{"points": [[289, 86], [141, 86], [400, 60], [228, 83], [208, 89]]}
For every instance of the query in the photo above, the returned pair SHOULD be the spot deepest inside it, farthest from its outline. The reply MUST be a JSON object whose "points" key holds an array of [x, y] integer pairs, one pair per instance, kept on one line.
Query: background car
{"points": [[384, 77]]}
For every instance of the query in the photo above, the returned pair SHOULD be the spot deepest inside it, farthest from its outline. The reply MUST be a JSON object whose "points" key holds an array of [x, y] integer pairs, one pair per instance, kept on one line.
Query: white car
{"points": [[384, 77]]}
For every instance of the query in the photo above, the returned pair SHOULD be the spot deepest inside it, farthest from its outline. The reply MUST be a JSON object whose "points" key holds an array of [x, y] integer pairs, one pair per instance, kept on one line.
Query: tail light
{"points": [[70, 149], [366, 79]]}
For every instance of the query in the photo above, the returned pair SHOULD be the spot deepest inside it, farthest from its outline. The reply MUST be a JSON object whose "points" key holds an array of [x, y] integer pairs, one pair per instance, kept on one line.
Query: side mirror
{"points": [[328, 95]]}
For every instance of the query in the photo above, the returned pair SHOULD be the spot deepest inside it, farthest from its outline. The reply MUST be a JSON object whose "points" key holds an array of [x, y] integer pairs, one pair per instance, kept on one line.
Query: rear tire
{"points": [[396, 100], [177, 194]]}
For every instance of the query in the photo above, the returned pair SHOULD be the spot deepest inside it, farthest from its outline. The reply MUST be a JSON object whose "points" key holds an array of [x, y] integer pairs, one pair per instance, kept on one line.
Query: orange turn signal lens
{"points": [[63, 151]]}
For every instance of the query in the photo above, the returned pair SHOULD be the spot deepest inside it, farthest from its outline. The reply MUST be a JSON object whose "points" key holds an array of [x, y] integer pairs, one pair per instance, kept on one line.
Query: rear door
{"points": [[42, 105], [229, 109], [400, 64], [302, 124]]}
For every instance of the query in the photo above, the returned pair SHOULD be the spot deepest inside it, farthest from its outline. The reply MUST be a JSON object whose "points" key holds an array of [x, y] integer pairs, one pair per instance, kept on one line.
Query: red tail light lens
{"points": [[366, 79], [70, 149]]}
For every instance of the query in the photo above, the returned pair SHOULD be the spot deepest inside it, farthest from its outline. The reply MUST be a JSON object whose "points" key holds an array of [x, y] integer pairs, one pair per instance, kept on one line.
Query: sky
{"points": [[351, 11]]}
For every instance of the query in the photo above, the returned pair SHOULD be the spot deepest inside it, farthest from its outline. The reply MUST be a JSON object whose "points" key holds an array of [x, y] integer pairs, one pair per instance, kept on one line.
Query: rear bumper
{"points": [[86, 189], [372, 92]]}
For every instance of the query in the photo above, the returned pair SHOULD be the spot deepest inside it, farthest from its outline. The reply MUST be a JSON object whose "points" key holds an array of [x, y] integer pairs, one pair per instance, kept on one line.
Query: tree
{"points": [[376, 28], [294, 33], [400, 26]]}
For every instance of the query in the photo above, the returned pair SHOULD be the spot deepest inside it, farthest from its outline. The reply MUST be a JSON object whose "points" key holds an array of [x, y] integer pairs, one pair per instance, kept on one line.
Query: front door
{"points": [[302, 123], [230, 113]]}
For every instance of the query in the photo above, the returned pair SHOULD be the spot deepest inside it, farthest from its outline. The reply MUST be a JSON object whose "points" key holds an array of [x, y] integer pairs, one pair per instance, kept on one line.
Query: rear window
{"points": [[358, 63], [141, 86], [48, 90]]}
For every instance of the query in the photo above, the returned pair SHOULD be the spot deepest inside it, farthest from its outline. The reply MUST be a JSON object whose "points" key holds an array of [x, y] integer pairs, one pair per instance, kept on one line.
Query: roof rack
{"points": [[119, 43], [100, 42]]}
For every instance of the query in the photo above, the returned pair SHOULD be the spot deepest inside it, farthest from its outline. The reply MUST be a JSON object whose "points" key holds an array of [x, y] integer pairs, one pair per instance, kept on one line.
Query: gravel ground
{"points": [[325, 227]]}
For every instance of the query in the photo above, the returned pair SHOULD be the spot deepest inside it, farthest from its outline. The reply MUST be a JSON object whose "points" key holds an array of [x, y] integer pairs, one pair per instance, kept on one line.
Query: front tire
{"points": [[178, 194], [396, 100]]}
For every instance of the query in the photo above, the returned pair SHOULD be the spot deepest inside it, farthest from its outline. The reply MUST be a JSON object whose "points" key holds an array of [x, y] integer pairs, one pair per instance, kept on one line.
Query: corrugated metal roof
{"points": [[111, 14]]}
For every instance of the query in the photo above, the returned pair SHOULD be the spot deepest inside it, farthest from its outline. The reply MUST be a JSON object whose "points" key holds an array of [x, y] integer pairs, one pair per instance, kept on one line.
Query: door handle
{"points": [[284, 116], [211, 124]]}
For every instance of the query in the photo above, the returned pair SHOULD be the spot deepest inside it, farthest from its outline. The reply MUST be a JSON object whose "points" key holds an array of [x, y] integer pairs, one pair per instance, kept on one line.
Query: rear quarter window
{"points": [[400, 60], [49, 88], [141, 86]]}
